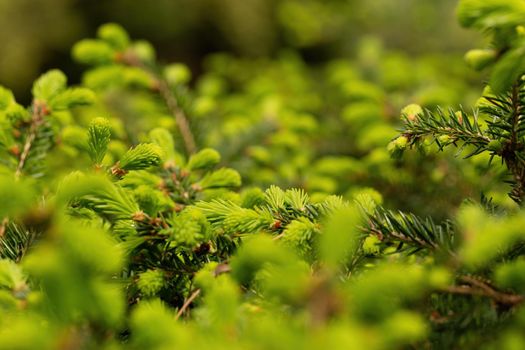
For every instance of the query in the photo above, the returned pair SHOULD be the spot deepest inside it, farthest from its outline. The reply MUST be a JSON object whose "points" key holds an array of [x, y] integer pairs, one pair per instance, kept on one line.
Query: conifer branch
{"points": [[15, 240], [180, 117], [39, 110], [446, 129], [512, 152], [411, 230], [187, 303], [169, 99], [502, 136], [477, 287]]}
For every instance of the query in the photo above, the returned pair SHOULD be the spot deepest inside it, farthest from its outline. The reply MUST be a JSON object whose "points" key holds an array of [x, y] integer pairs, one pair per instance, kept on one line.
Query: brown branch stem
{"points": [[478, 287], [37, 119], [3, 226], [187, 303], [401, 237]]}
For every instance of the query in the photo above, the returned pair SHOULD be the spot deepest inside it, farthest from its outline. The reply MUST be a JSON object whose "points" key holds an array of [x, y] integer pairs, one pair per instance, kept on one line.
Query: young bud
{"points": [[479, 59], [399, 143], [459, 115], [439, 277], [72, 97], [93, 52], [17, 112], [177, 74], [224, 177], [511, 275], [103, 77], [367, 198], [143, 50], [99, 134], [141, 157], [163, 139], [204, 105], [251, 197], [404, 327], [412, 111], [299, 235], [49, 84], [114, 35], [397, 146], [147, 199], [187, 229], [12, 276], [134, 76], [150, 282], [495, 146], [206, 158], [6, 98], [371, 245], [443, 139]]}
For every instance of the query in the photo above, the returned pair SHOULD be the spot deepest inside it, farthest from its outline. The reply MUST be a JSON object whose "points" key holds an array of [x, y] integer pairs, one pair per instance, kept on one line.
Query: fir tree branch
{"points": [[169, 99], [180, 117], [15, 240], [513, 148], [502, 136], [477, 287], [411, 230], [515, 113], [446, 129], [14, 247], [187, 303], [37, 120]]}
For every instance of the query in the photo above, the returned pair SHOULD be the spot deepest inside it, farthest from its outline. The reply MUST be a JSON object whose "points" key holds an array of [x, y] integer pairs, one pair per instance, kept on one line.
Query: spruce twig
{"points": [[180, 117], [169, 99], [478, 287], [414, 232], [501, 135], [446, 129], [187, 303], [37, 119], [510, 153]]}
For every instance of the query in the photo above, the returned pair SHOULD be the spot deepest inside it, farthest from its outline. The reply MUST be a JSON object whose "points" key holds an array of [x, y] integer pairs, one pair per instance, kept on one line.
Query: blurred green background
{"points": [[38, 34]]}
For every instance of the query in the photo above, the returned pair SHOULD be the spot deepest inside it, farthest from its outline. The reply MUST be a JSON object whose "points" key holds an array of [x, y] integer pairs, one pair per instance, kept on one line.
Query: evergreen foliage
{"points": [[142, 234]]}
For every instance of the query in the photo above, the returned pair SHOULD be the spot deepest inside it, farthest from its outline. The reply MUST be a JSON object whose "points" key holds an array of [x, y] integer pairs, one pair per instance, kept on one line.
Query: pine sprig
{"points": [[15, 241], [99, 133], [291, 204], [141, 157], [113, 46], [231, 218], [507, 127], [507, 121], [107, 199], [37, 143], [502, 132], [43, 142], [446, 129], [409, 232]]}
